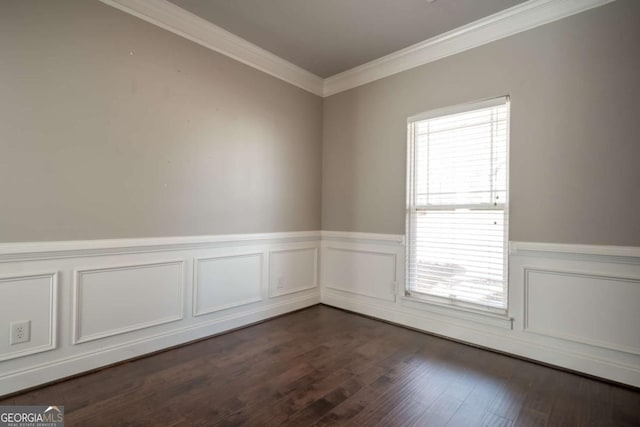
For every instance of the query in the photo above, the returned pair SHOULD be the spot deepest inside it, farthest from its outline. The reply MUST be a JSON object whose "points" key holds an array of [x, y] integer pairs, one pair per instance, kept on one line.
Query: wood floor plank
{"points": [[326, 367], [441, 412], [625, 407], [569, 403], [467, 414]]}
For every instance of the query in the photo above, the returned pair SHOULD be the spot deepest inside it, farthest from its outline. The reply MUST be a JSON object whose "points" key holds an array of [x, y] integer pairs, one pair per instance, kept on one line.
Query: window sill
{"points": [[486, 317]]}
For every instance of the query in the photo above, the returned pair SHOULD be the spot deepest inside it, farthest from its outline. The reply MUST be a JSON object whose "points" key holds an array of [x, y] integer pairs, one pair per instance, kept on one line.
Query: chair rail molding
{"points": [[33, 251]]}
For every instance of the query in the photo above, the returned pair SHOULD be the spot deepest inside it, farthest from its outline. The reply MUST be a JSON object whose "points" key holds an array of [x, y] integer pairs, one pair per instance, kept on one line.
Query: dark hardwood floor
{"points": [[323, 366]]}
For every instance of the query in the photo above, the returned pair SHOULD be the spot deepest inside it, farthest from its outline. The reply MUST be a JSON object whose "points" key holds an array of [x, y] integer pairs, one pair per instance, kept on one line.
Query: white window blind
{"points": [[457, 204]]}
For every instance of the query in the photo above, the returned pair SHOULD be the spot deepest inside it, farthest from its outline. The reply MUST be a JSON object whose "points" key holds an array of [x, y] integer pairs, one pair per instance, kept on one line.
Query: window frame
{"points": [[412, 207]]}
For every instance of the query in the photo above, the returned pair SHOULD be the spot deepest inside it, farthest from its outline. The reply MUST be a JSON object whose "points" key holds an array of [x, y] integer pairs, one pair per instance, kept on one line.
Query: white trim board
{"points": [[29, 251], [522, 17], [350, 236], [517, 248]]}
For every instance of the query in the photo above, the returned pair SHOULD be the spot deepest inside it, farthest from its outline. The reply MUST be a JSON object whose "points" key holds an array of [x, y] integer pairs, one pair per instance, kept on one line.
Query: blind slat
{"points": [[457, 192]]}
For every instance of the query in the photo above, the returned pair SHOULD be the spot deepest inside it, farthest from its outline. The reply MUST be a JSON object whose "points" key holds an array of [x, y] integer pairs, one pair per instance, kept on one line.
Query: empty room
{"points": [[319, 212]]}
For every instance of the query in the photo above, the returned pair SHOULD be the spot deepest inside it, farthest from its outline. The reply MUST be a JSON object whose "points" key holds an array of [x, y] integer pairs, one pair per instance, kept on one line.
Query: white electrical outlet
{"points": [[280, 283], [20, 332]]}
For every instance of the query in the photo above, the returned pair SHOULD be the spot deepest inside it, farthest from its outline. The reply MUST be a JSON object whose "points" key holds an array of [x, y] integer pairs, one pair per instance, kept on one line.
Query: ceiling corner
{"points": [[519, 18]]}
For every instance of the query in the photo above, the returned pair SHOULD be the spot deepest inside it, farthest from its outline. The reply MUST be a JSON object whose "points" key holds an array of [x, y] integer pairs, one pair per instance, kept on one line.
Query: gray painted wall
{"points": [[575, 139], [172, 139], [111, 127]]}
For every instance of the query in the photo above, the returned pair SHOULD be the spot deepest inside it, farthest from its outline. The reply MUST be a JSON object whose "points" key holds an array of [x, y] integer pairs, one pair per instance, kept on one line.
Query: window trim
{"points": [[459, 108], [410, 206]]}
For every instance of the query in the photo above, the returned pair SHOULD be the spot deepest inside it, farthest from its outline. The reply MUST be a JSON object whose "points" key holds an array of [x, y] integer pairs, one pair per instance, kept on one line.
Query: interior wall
{"points": [[111, 127], [574, 87]]}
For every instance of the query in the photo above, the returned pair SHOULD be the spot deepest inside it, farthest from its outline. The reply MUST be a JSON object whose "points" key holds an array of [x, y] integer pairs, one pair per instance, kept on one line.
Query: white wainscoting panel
{"points": [[224, 282], [292, 270], [584, 308], [368, 272], [572, 306], [123, 298], [116, 300], [32, 297]]}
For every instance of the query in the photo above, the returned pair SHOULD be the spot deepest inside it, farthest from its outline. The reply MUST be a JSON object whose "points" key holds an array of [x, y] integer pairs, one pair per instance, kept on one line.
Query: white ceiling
{"points": [[327, 37]]}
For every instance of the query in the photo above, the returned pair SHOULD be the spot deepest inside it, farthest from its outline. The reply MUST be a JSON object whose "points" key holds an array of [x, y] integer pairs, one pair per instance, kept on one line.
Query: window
{"points": [[457, 178]]}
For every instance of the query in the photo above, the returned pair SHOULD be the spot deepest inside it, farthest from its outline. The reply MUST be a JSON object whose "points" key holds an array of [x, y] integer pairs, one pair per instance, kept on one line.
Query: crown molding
{"points": [[522, 17], [173, 18], [519, 18]]}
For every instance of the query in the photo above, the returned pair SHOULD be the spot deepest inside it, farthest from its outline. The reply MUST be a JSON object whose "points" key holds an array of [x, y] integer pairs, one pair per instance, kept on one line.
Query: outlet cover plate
{"points": [[20, 332]]}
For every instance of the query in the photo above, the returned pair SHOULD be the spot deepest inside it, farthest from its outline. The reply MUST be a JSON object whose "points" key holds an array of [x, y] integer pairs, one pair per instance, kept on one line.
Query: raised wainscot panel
{"points": [[115, 300], [224, 282], [292, 270], [586, 308], [362, 272], [33, 298]]}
